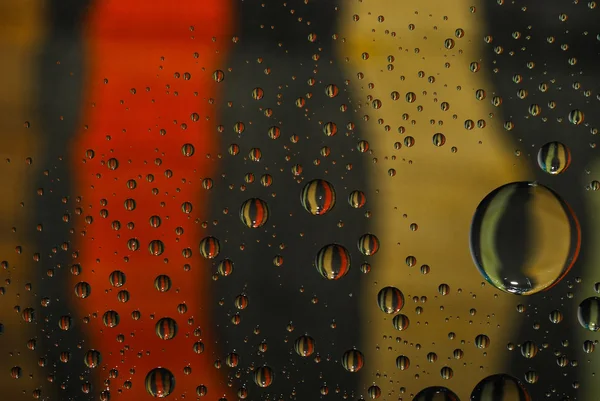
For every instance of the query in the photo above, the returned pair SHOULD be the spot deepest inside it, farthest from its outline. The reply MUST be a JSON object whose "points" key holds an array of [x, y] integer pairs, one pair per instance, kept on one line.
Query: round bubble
{"points": [[353, 360], [160, 382], [254, 213], [166, 328], [588, 314], [390, 300], [333, 261], [499, 387], [304, 345], [318, 197], [263, 376], [554, 158], [524, 238], [92, 358]]}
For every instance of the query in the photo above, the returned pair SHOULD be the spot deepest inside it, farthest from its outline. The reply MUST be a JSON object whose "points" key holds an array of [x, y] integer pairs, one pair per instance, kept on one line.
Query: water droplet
{"points": [[160, 382], [554, 158], [524, 238]]}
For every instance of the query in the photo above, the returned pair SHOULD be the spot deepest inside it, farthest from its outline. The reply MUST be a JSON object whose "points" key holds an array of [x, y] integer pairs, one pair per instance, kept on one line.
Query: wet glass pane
{"points": [[299, 200]]}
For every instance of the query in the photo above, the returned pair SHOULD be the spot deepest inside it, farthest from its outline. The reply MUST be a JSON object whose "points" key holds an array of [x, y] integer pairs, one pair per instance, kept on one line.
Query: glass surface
{"points": [[299, 200]]}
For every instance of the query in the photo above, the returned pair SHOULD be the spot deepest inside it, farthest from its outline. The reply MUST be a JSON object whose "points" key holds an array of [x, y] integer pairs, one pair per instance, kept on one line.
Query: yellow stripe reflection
{"points": [[437, 189]]}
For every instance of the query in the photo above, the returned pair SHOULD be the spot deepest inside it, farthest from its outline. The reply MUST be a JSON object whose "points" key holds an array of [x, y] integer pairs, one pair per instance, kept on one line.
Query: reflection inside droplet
{"points": [[524, 238]]}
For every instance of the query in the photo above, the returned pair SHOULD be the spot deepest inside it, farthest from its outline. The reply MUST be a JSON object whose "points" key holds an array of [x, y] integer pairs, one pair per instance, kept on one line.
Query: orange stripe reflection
{"points": [[139, 54]]}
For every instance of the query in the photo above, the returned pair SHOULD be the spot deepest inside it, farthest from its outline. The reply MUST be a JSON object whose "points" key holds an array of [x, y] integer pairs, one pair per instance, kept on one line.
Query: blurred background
{"points": [[295, 200]]}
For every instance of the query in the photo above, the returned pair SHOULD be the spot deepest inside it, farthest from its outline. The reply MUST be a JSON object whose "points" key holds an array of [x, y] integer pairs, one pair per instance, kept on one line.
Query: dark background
{"points": [[274, 292]]}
